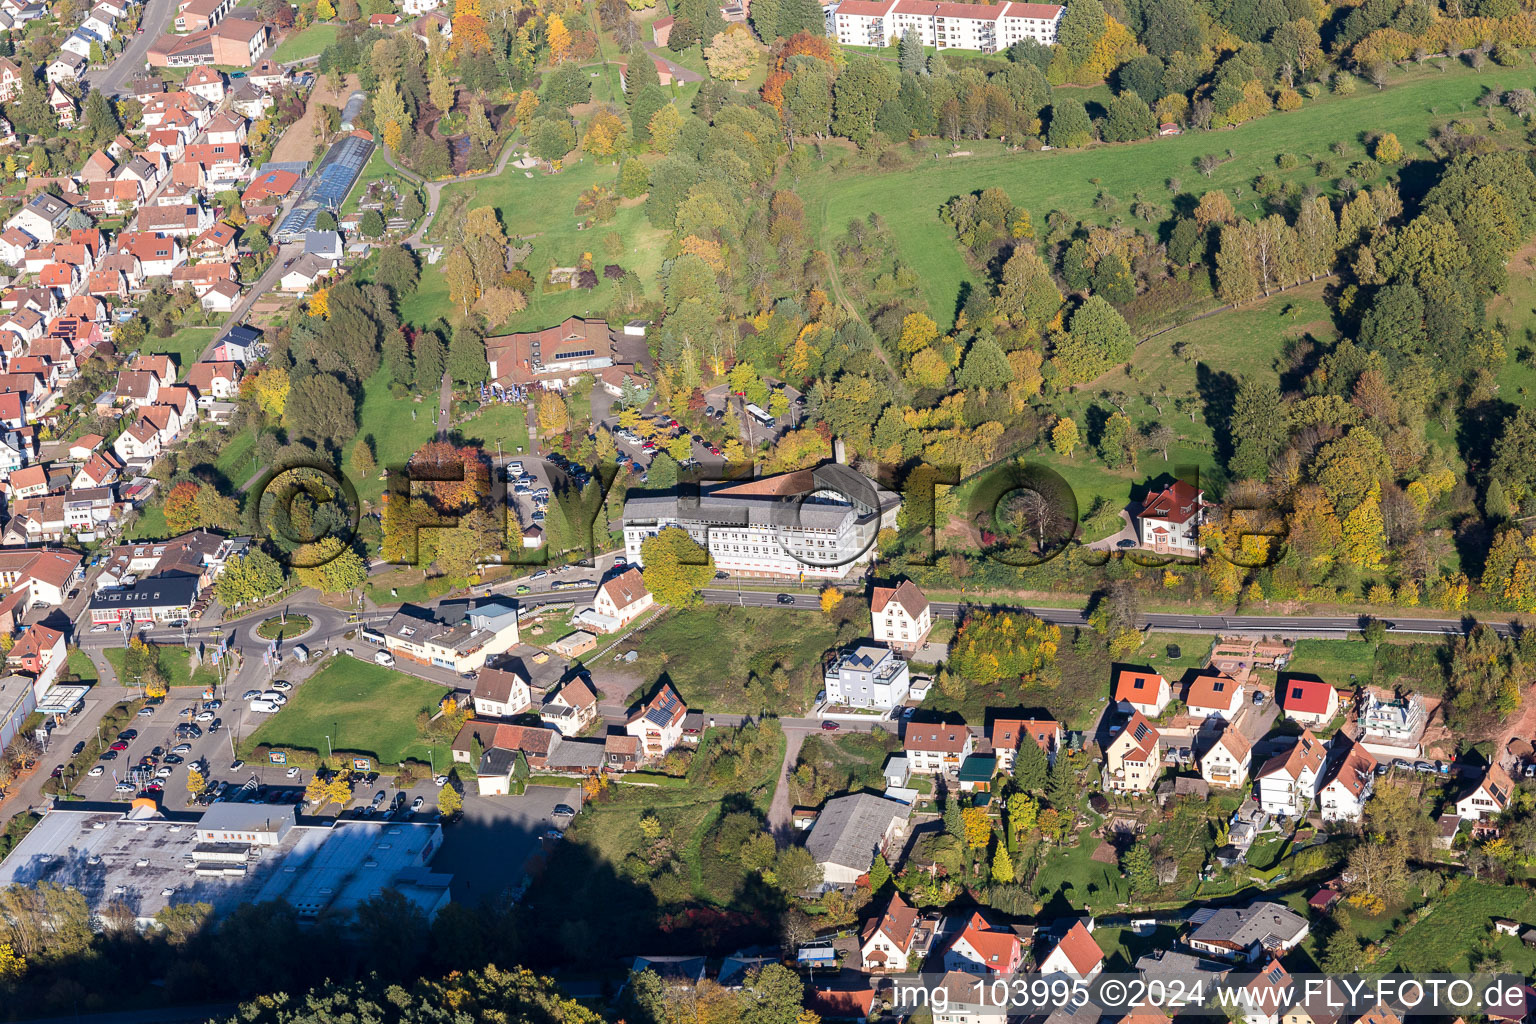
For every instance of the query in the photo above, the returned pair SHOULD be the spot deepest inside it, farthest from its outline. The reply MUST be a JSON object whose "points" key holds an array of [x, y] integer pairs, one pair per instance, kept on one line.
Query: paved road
{"points": [[444, 399], [155, 23]]}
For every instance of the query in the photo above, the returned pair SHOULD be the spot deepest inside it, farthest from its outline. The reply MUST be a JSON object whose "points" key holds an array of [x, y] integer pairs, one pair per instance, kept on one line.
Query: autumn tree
{"points": [[676, 569], [732, 54]]}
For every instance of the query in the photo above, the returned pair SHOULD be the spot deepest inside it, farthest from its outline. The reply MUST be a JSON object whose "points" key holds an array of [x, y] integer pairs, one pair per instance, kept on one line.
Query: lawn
{"points": [[237, 460], [1445, 935], [306, 43], [395, 436], [376, 169], [909, 200], [503, 422], [150, 524], [363, 708], [542, 209], [185, 347], [1338, 661], [1194, 651], [175, 664], [80, 666], [405, 586], [724, 658]]}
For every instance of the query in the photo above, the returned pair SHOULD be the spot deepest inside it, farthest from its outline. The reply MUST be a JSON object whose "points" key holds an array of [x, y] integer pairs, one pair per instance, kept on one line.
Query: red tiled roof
{"points": [[1176, 504], [1308, 696], [1138, 687], [1080, 950]]}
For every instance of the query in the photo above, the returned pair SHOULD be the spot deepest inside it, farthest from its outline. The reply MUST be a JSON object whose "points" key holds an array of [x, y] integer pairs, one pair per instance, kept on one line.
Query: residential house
{"points": [[1310, 702], [416, 8], [14, 244], [500, 693], [183, 221], [98, 166], [304, 272], [1170, 520], [1077, 955], [39, 652], [1347, 783], [658, 722], [143, 167], [621, 753], [216, 243], [936, 747], [1392, 727], [980, 947], [101, 469], [1263, 999], [1287, 783], [110, 198], [268, 75], [850, 831], [1226, 760], [867, 676], [433, 24], [42, 216], [1134, 758], [68, 66], [27, 483], [1487, 798], [200, 277], [157, 255], [214, 381], [221, 162], [140, 442], [206, 82], [222, 297], [45, 574], [12, 79], [140, 388], [227, 129], [1213, 694], [64, 106], [1144, 690], [901, 615], [619, 601], [572, 708], [1006, 734], [891, 942], [1248, 933], [963, 1001], [991, 28]]}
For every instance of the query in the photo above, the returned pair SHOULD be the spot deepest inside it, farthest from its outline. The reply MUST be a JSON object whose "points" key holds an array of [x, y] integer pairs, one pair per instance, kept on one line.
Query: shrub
{"points": [[1287, 161], [1288, 99], [1343, 83]]}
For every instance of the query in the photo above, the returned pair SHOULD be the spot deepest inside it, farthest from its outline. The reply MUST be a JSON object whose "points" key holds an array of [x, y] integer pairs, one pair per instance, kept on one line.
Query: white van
{"points": [[383, 658], [265, 707]]}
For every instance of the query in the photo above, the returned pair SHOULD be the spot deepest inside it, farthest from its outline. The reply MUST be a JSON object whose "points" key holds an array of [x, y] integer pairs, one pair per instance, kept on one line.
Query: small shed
{"points": [[575, 645], [897, 771], [1504, 926], [976, 773], [1323, 900]]}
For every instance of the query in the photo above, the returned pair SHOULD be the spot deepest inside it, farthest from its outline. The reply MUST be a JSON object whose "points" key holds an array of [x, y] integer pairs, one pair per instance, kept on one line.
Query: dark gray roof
{"points": [[850, 828]]}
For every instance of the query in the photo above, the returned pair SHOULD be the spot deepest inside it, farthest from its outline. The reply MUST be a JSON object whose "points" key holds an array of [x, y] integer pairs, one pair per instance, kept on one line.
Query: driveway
{"points": [[680, 74], [488, 849], [1127, 531]]}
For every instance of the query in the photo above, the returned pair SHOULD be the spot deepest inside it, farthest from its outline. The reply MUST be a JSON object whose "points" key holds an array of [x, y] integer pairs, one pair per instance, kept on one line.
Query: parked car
{"points": [[293, 772], [383, 658], [250, 695], [563, 811], [182, 748], [118, 746], [416, 804], [205, 716], [109, 755], [146, 712], [97, 771], [124, 787], [829, 727]]}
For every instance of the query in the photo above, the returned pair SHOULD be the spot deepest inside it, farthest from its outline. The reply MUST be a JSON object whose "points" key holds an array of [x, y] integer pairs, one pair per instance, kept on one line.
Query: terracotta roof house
{"points": [[901, 616], [1076, 955], [1144, 690], [980, 947], [1213, 693]]}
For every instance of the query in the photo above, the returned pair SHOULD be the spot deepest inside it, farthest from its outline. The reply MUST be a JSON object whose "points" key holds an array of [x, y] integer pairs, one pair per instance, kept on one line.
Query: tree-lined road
{"points": [[154, 24]]}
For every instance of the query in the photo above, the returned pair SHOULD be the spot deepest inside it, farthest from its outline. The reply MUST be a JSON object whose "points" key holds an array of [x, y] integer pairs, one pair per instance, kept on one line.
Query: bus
{"points": [[760, 416]]}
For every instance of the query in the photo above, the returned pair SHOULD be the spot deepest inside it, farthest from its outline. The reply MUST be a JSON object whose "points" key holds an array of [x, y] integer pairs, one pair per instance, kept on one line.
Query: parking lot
{"points": [[488, 850]]}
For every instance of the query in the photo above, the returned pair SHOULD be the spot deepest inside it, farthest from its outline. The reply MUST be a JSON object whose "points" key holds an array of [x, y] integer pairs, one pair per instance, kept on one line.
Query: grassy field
{"points": [[396, 429], [410, 586], [498, 422], [185, 347], [910, 199], [175, 663], [542, 209], [80, 666], [1337, 661], [150, 524], [306, 43], [1453, 929], [237, 460], [711, 654], [363, 708]]}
